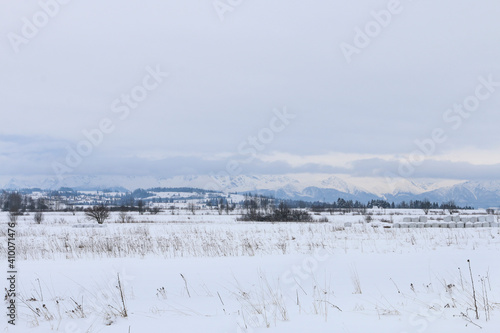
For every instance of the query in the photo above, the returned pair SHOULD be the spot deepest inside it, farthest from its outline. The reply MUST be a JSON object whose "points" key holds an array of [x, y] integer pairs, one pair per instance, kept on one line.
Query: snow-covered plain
{"points": [[210, 273]]}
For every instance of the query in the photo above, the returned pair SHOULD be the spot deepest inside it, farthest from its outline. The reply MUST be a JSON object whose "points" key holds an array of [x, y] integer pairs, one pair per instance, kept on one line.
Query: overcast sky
{"points": [[261, 86]]}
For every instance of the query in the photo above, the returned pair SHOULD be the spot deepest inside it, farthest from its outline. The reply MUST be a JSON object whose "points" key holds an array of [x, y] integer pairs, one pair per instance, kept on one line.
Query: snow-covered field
{"points": [[209, 273]]}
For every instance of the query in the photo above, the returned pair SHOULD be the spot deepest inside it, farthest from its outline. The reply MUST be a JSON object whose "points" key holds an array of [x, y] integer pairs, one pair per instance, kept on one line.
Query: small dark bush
{"points": [[281, 214]]}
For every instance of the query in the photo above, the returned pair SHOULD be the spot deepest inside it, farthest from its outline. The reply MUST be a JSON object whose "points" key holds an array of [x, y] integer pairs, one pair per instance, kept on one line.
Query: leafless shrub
{"points": [[123, 217], [97, 213]]}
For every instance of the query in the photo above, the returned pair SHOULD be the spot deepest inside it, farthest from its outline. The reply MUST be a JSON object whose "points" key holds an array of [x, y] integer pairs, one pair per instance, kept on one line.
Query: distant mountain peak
{"points": [[311, 187]]}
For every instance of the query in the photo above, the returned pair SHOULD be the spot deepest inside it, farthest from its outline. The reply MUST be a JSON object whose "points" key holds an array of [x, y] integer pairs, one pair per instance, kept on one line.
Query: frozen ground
{"points": [[209, 273]]}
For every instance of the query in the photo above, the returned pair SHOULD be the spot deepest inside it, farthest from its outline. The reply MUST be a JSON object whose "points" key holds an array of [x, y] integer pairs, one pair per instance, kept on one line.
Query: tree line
{"points": [[252, 205]]}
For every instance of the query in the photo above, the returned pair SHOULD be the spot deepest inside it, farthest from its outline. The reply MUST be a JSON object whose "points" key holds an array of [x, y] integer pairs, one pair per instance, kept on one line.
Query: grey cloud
{"points": [[226, 77]]}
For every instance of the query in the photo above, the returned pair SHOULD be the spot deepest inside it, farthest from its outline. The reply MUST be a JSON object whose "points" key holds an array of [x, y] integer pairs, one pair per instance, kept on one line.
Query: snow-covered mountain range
{"points": [[309, 187]]}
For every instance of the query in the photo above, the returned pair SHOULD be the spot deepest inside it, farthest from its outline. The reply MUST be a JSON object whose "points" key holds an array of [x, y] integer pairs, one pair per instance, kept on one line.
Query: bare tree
{"points": [[155, 210], [14, 203], [426, 206], [140, 206], [12, 217], [450, 206], [123, 217], [192, 207], [38, 217], [98, 213], [220, 206]]}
